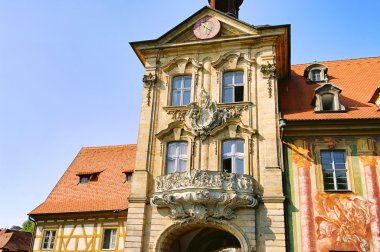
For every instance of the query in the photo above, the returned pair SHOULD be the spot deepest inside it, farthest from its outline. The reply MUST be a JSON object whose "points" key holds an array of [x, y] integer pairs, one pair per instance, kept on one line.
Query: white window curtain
{"points": [[176, 158]]}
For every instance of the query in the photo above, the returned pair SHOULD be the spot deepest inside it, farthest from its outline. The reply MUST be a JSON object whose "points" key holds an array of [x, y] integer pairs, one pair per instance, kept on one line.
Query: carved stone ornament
{"points": [[269, 71], [150, 82], [207, 116], [205, 196]]}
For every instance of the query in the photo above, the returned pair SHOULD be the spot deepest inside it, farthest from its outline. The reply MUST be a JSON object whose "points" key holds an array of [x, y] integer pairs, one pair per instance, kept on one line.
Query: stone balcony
{"points": [[204, 196]]}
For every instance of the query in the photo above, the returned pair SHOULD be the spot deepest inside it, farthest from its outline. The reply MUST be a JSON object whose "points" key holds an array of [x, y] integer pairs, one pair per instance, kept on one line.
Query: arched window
{"points": [[233, 156], [328, 102], [176, 157], [181, 90], [233, 87]]}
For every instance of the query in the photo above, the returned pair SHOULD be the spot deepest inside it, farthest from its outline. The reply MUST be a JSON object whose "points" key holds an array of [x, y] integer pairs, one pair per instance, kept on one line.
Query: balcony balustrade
{"points": [[205, 196]]}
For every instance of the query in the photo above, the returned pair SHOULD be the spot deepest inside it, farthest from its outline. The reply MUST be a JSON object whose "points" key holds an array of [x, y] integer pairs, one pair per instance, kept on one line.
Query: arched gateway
{"points": [[201, 238]]}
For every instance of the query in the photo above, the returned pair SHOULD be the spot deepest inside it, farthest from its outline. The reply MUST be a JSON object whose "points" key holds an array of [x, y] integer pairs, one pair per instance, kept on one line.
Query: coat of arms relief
{"points": [[206, 116]]}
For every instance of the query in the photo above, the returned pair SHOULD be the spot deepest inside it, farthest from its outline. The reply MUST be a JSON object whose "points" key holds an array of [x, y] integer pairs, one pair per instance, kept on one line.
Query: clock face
{"points": [[207, 27]]}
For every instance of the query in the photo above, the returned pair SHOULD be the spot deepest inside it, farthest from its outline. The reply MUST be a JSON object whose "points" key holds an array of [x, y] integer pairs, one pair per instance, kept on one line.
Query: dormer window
{"points": [[315, 72], [128, 176], [376, 98], [327, 99], [86, 177], [316, 75]]}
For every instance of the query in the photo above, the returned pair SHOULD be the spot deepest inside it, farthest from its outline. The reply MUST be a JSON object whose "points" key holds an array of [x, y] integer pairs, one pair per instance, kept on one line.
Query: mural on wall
{"points": [[343, 222]]}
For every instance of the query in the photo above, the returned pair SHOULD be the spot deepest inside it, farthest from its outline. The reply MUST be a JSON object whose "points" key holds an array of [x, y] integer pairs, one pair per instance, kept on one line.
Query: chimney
{"points": [[230, 7]]}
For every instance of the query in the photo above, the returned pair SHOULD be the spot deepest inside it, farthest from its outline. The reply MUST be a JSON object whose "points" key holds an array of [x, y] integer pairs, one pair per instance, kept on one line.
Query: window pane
{"points": [[227, 146], [186, 98], [227, 78], [183, 149], [177, 82], [329, 186], [176, 99], [239, 93], [316, 75], [240, 146], [227, 95], [172, 149], [182, 165], [339, 157], [170, 166], [342, 186], [113, 239], [227, 165], [106, 239], [326, 157], [239, 166], [187, 82], [238, 77]]}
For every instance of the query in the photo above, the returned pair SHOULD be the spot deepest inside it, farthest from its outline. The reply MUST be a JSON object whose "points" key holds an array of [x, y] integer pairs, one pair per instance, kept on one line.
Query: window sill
{"points": [[240, 103], [338, 191]]}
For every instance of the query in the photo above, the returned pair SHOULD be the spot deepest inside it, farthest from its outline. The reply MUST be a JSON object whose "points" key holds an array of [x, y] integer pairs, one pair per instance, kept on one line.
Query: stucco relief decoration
{"points": [[343, 222], [205, 196], [269, 71], [177, 114], [150, 82], [206, 116]]}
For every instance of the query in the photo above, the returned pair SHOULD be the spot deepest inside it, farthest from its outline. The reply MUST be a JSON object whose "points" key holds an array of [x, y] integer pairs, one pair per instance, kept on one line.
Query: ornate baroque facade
{"points": [[236, 150]]}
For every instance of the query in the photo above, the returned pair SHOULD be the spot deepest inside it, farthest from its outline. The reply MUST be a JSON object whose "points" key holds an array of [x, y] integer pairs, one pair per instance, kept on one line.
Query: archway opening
{"points": [[206, 240]]}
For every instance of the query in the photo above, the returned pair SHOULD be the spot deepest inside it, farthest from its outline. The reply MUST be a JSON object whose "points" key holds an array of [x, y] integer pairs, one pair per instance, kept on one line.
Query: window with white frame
{"points": [[109, 239], [181, 90], [176, 157], [316, 75], [233, 156], [48, 240], [334, 170], [233, 87]]}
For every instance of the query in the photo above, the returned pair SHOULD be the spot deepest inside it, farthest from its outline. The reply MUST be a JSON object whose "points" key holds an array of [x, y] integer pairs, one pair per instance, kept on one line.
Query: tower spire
{"points": [[230, 7]]}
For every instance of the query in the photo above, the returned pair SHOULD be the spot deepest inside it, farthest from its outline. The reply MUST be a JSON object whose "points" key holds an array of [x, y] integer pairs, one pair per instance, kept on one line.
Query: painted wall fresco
{"points": [[343, 222], [333, 221]]}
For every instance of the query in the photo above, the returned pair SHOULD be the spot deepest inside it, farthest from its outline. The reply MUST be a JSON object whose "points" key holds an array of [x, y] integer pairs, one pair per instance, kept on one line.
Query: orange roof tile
{"points": [[109, 192], [358, 78]]}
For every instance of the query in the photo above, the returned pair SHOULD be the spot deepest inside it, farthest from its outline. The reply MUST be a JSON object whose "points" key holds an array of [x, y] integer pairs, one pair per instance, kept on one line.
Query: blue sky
{"points": [[68, 77]]}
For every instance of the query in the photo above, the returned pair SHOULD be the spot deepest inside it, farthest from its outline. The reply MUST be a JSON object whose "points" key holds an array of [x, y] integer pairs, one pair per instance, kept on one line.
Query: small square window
{"points": [[109, 239], [84, 179], [48, 240], [128, 176]]}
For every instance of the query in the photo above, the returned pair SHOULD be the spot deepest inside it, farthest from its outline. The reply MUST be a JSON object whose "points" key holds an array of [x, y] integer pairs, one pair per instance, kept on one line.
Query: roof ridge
{"points": [[361, 58], [108, 146]]}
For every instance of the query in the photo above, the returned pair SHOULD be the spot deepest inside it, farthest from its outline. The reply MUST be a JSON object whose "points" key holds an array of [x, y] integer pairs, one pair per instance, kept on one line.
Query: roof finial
{"points": [[230, 7]]}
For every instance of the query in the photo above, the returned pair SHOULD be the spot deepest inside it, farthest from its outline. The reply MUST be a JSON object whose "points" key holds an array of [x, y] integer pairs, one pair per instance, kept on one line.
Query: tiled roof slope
{"points": [[13, 240], [109, 192], [358, 79]]}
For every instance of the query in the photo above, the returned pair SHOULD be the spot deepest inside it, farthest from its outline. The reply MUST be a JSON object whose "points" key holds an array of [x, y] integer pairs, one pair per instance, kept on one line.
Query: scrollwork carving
{"points": [[269, 71], [205, 196], [150, 82]]}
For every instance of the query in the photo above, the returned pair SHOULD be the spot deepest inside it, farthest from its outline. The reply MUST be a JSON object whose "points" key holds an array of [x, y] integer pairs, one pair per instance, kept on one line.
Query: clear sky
{"points": [[68, 77]]}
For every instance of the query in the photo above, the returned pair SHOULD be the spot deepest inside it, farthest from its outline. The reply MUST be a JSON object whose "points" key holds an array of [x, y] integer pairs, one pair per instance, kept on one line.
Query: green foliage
{"points": [[28, 226]]}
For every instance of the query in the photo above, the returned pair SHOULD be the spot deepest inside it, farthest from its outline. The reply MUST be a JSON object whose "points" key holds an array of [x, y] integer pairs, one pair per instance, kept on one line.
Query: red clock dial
{"points": [[207, 27]]}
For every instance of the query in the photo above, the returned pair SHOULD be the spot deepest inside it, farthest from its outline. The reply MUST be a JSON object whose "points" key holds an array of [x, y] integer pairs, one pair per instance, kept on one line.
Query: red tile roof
{"points": [[13, 240], [358, 78], [109, 192]]}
